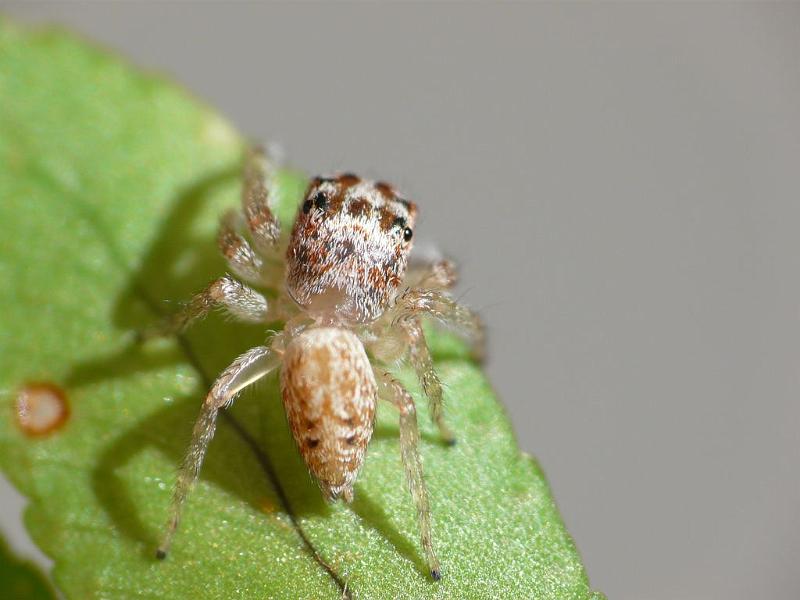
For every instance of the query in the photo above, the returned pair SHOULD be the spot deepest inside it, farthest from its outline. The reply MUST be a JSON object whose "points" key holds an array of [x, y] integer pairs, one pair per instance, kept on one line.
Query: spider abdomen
{"points": [[329, 395]]}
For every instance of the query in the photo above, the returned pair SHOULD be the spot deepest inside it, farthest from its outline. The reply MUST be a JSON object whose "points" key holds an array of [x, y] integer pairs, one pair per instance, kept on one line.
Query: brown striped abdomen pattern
{"points": [[329, 394]]}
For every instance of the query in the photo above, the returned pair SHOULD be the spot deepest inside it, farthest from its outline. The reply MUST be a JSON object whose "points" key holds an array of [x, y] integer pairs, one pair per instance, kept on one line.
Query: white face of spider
{"points": [[349, 248]]}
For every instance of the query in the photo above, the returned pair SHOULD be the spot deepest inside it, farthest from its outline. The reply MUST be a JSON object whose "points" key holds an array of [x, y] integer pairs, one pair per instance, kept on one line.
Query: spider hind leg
{"points": [[248, 368], [392, 390]]}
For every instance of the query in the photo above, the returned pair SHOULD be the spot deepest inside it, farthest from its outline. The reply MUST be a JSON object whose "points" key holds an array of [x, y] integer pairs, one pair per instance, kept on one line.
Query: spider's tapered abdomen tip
{"points": [[161, 554], [436, 575], [450, 441]]}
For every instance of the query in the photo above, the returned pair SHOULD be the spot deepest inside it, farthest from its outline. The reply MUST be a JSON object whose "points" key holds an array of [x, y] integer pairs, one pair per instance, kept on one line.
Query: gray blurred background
{"points": [[621, 186]]}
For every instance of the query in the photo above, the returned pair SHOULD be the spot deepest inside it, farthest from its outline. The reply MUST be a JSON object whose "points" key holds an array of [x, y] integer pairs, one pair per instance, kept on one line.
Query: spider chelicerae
{"points": [[352, 310]]}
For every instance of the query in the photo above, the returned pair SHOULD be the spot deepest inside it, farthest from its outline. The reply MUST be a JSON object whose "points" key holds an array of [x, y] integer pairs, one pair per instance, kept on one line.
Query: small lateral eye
{"points": [[307, 206], [407, 234]]}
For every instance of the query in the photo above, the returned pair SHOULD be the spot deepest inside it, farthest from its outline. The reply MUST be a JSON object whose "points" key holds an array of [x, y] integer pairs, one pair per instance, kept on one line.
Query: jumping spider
{"points": [[343, 290]]}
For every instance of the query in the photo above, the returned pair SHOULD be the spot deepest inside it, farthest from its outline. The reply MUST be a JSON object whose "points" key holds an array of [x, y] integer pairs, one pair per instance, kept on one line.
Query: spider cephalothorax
{"points": [[349, 248], [352, 309]]}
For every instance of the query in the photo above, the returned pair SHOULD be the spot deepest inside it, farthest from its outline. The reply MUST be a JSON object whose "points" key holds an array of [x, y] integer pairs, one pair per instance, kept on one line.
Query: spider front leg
{"points": [[241, 258], [237, 299], [393, 391], [260, 220], [437, 274], [418, 302], [263, 267], [248, 368]]}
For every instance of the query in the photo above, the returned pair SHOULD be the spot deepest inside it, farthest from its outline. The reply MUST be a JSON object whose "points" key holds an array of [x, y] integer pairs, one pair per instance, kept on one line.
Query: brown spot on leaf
{"points": [[267, 506], [41, 408]]}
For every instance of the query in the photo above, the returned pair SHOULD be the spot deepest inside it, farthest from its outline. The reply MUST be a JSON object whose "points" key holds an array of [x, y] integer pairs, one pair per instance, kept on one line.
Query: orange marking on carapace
{"points": [[360, 207], [41, 408], [348, 179], [387, 218], [385, 190]]}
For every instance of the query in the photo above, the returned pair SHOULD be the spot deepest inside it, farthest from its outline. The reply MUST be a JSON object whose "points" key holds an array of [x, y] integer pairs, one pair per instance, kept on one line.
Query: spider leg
{"points": [[245, 370], [240, 301], [421, 360], [392, 390], [242, 259], [262, 223], [418, 302], [438, 274]]}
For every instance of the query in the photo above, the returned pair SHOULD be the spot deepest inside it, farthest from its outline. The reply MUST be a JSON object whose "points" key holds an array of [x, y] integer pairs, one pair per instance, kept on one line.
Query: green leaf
{"points": [[111, 182], [21, 580]]}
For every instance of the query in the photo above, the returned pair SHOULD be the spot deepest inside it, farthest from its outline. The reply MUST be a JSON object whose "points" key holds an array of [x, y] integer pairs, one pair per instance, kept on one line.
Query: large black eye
{"points": [[407, 233], [320, 201]]}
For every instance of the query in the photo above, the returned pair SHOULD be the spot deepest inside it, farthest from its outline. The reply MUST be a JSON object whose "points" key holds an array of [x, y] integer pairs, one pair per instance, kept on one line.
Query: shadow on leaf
{"points": [[181, 260], [372, 515]]}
